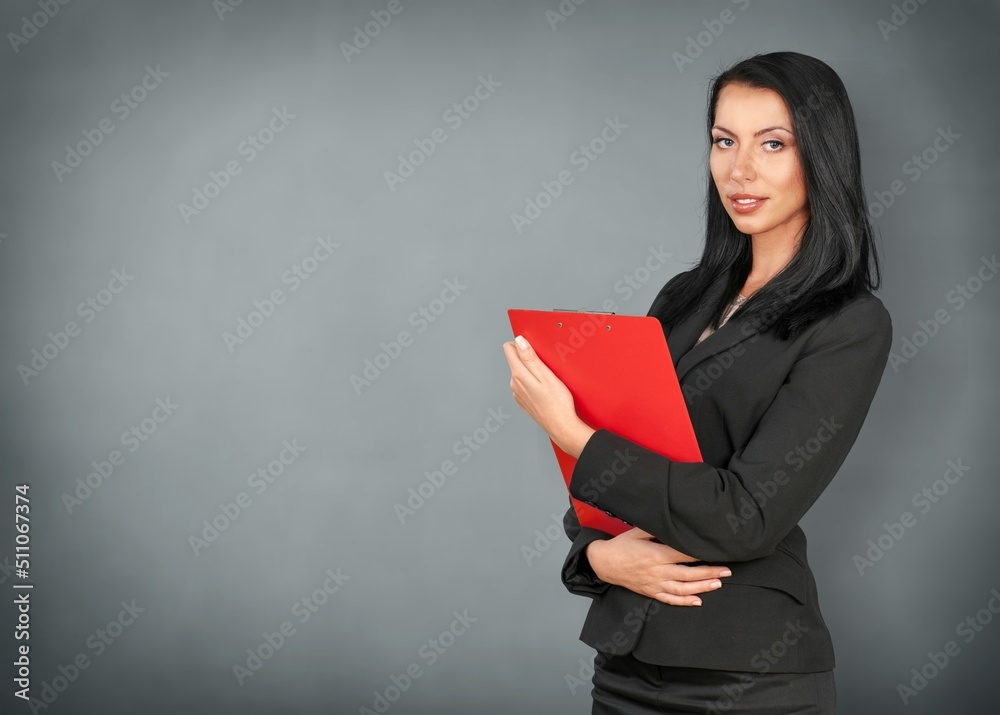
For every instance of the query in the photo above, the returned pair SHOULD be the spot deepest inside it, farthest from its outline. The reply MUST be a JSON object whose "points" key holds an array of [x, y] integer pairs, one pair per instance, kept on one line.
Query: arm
{"points": [[633, 560], [797, 448], [577, 574]]}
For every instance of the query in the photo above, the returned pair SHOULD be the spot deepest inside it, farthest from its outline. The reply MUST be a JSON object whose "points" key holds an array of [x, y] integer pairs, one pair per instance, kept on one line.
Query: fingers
{"points": [[672, 555], [525, 357], [511, 352], [683, 593], [629, 560], [689, 588], [679, 572], [524, 349], [520, 374], [673, 600], [518, 371]]}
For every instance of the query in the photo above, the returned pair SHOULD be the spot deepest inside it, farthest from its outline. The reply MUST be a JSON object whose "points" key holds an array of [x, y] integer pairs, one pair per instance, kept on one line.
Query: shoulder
{"points": [[864, 311], [861, 319]]}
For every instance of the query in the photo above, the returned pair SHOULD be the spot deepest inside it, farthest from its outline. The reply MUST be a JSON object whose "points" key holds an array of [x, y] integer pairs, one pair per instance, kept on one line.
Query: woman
{"points": [[708, 604]]}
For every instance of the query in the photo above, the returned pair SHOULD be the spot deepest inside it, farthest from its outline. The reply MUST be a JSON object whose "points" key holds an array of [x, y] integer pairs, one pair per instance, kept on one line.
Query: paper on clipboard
{"points": [[620, 373]]}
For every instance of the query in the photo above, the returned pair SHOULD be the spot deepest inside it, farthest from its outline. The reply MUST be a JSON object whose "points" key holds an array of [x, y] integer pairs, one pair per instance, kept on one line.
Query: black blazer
{"points": [[774, 420]]}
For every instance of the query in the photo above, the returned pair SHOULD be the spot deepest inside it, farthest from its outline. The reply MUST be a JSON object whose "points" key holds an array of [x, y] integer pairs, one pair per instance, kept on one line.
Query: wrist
{"points": [[573, 439], [593, 555]]}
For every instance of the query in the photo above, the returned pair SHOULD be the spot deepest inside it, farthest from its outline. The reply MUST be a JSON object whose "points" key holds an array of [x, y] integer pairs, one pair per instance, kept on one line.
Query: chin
{"points": [[747, 225]]}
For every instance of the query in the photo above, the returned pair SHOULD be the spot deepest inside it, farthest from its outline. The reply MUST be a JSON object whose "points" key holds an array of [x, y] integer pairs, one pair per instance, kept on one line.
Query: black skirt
{"points": [[624, 685]]}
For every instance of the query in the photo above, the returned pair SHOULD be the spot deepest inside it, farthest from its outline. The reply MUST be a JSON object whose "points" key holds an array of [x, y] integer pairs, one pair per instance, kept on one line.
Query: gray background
{"points": [[334, 507]]}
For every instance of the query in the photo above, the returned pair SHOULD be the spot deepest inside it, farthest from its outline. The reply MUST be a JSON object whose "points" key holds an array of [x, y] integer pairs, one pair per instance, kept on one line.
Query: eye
{"points": [[721, 139], [771, 142]]}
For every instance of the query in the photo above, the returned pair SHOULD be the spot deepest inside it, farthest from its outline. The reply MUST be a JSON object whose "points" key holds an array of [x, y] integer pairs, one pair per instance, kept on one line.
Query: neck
{"points": [[771, 253]]}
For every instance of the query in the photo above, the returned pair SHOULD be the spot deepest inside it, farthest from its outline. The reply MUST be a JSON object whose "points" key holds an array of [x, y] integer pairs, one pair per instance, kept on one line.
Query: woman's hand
{"points": [[545, 397], [636, 561]]}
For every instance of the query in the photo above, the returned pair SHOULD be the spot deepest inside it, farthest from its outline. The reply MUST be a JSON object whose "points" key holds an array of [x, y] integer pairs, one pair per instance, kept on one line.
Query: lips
{"points": [[746, 203]]}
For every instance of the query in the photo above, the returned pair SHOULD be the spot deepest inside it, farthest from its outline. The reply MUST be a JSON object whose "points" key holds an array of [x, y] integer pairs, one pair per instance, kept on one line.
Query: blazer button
{"points": [[610, 514]]}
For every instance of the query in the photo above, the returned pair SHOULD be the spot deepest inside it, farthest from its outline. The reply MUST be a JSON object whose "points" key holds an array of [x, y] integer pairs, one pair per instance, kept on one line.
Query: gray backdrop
{"points": [[215, 217]]}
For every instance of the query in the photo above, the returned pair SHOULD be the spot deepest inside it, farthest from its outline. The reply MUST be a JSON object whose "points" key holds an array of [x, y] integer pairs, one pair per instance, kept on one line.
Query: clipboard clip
{"points": [[583, 310]]}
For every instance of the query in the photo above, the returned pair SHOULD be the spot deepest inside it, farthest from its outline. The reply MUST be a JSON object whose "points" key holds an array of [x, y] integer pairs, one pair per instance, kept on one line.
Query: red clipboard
{"points": [[619, 371]]}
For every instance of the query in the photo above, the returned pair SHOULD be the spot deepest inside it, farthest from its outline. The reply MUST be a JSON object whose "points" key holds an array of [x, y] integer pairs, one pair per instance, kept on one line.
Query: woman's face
{"points": [[754, 155]]}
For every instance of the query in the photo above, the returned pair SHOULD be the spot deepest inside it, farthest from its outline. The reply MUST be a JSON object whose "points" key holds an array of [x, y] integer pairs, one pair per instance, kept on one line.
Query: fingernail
{"points": [[697, 602], [726, 572], [715, 584], [521, 342]]}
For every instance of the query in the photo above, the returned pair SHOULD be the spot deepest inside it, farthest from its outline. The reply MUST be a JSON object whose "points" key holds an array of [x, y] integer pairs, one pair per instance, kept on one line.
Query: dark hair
{"points": [[836, 258]]}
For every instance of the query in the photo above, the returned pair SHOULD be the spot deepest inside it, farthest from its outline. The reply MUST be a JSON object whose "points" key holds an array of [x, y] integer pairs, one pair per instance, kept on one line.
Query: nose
{"points": [[743, 167]]}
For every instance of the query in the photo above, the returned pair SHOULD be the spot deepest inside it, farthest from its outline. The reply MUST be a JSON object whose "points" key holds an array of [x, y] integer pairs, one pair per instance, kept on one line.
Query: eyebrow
{"points": [[756, 134]]}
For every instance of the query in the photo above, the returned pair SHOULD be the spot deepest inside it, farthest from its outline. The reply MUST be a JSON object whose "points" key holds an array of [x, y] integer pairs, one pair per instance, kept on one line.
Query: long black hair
{"points": [[836, 258]]}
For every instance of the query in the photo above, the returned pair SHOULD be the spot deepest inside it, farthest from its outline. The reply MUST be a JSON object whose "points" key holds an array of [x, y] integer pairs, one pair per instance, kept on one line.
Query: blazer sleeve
{"points": [[577, 574], [741, 511]]}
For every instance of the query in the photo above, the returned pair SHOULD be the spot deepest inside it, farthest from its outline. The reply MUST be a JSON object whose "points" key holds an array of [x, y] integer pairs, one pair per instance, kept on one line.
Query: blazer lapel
{"points": [[684, 353]]}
